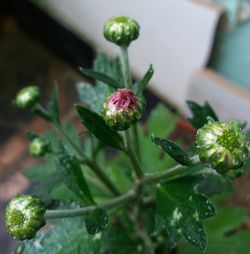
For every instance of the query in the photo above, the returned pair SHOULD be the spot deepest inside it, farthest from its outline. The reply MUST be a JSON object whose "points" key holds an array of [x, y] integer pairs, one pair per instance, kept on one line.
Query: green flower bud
{"points": [[222, 145], [38, 147], [27, 97], [121, 30], [122, 109], [24, 216]]}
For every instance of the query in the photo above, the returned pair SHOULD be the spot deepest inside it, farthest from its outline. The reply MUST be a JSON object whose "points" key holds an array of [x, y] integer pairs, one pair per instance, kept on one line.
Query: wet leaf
{"points": [[180, 211]]}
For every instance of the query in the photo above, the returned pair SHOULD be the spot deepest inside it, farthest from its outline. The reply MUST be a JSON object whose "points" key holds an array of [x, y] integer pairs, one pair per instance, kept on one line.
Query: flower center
{"points": [[124, 99], [17, 218], [229, 140]]}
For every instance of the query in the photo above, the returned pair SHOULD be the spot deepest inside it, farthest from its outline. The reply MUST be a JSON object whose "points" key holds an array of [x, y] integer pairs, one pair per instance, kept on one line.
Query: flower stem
{"points": [[91, 164], [112, 203], [125, 67], [132, 156], [132, 143]]}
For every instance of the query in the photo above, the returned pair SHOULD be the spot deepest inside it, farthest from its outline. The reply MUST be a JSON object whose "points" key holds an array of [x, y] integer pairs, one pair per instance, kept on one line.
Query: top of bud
{"points": [[121, 30], [27, 97], [222, 145], [121, 109], [24, 216], [38, 147]]}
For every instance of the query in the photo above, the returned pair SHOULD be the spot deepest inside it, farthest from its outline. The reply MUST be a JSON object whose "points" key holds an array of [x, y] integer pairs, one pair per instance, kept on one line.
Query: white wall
{"points": [[176, 36]]}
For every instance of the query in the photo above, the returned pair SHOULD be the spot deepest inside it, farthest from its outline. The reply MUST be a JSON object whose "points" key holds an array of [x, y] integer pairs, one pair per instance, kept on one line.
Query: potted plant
{"points": [[145, 194]]}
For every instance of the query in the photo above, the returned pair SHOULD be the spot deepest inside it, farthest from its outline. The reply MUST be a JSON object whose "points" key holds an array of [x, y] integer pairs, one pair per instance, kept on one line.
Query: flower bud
{"points": [[27, 97], [38, 147], [24, 216], [222, 145], [121, 30], [122, 109]]}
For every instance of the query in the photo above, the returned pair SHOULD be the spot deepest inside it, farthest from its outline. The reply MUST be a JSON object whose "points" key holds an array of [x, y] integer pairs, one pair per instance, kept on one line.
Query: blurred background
{"points": [[199, 49]]}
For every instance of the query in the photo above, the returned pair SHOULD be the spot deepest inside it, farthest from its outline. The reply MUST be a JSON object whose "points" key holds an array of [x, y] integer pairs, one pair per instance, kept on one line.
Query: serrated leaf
{"points": [[145, 80], [53, 107], [70, 168], [222, 236], [173, 150], [97, 126], [200, 113], [112, 68], [67, 237], [180, 210], [96, 221], [100, 77]]}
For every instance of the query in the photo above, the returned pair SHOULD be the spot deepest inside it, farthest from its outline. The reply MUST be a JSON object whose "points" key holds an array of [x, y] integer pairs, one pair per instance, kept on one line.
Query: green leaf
{"points": [[119, 240], [152, 159], [180, 210], [101, 77], [53, 107], [92, 96], [200, 114], [96, 221], [39, 171], [144, 82], [173, 150], [71, 169], [222, 236], [67, 237], [96, 125], [112, 68], [161, 114]]}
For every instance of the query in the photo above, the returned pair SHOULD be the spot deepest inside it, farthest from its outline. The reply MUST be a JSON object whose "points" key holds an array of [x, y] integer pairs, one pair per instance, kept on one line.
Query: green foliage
{"points": [[93, 96], [96, 125], [173, 150], [67, 237], [180, 211], [51, 114], [141, 85], [53, 107], [100, 77], [72, 173], [153, 159], [96, 221], [200, 113], [223, 238], [118, 239]]}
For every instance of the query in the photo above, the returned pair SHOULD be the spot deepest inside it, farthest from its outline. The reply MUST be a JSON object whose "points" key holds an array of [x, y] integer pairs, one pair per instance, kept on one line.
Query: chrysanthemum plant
{"points": [[141, 196]]}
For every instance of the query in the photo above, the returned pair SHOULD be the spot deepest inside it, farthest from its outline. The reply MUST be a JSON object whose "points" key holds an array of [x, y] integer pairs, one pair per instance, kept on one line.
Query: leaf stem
{"points": [[166, 174], [112, 203], [91, 164]]}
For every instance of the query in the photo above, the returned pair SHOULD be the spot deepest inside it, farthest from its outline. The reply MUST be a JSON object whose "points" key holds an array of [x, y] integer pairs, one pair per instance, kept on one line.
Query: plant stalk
{"points": [[134, 140], [112, 203], [132, 156], [125, 67]]}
